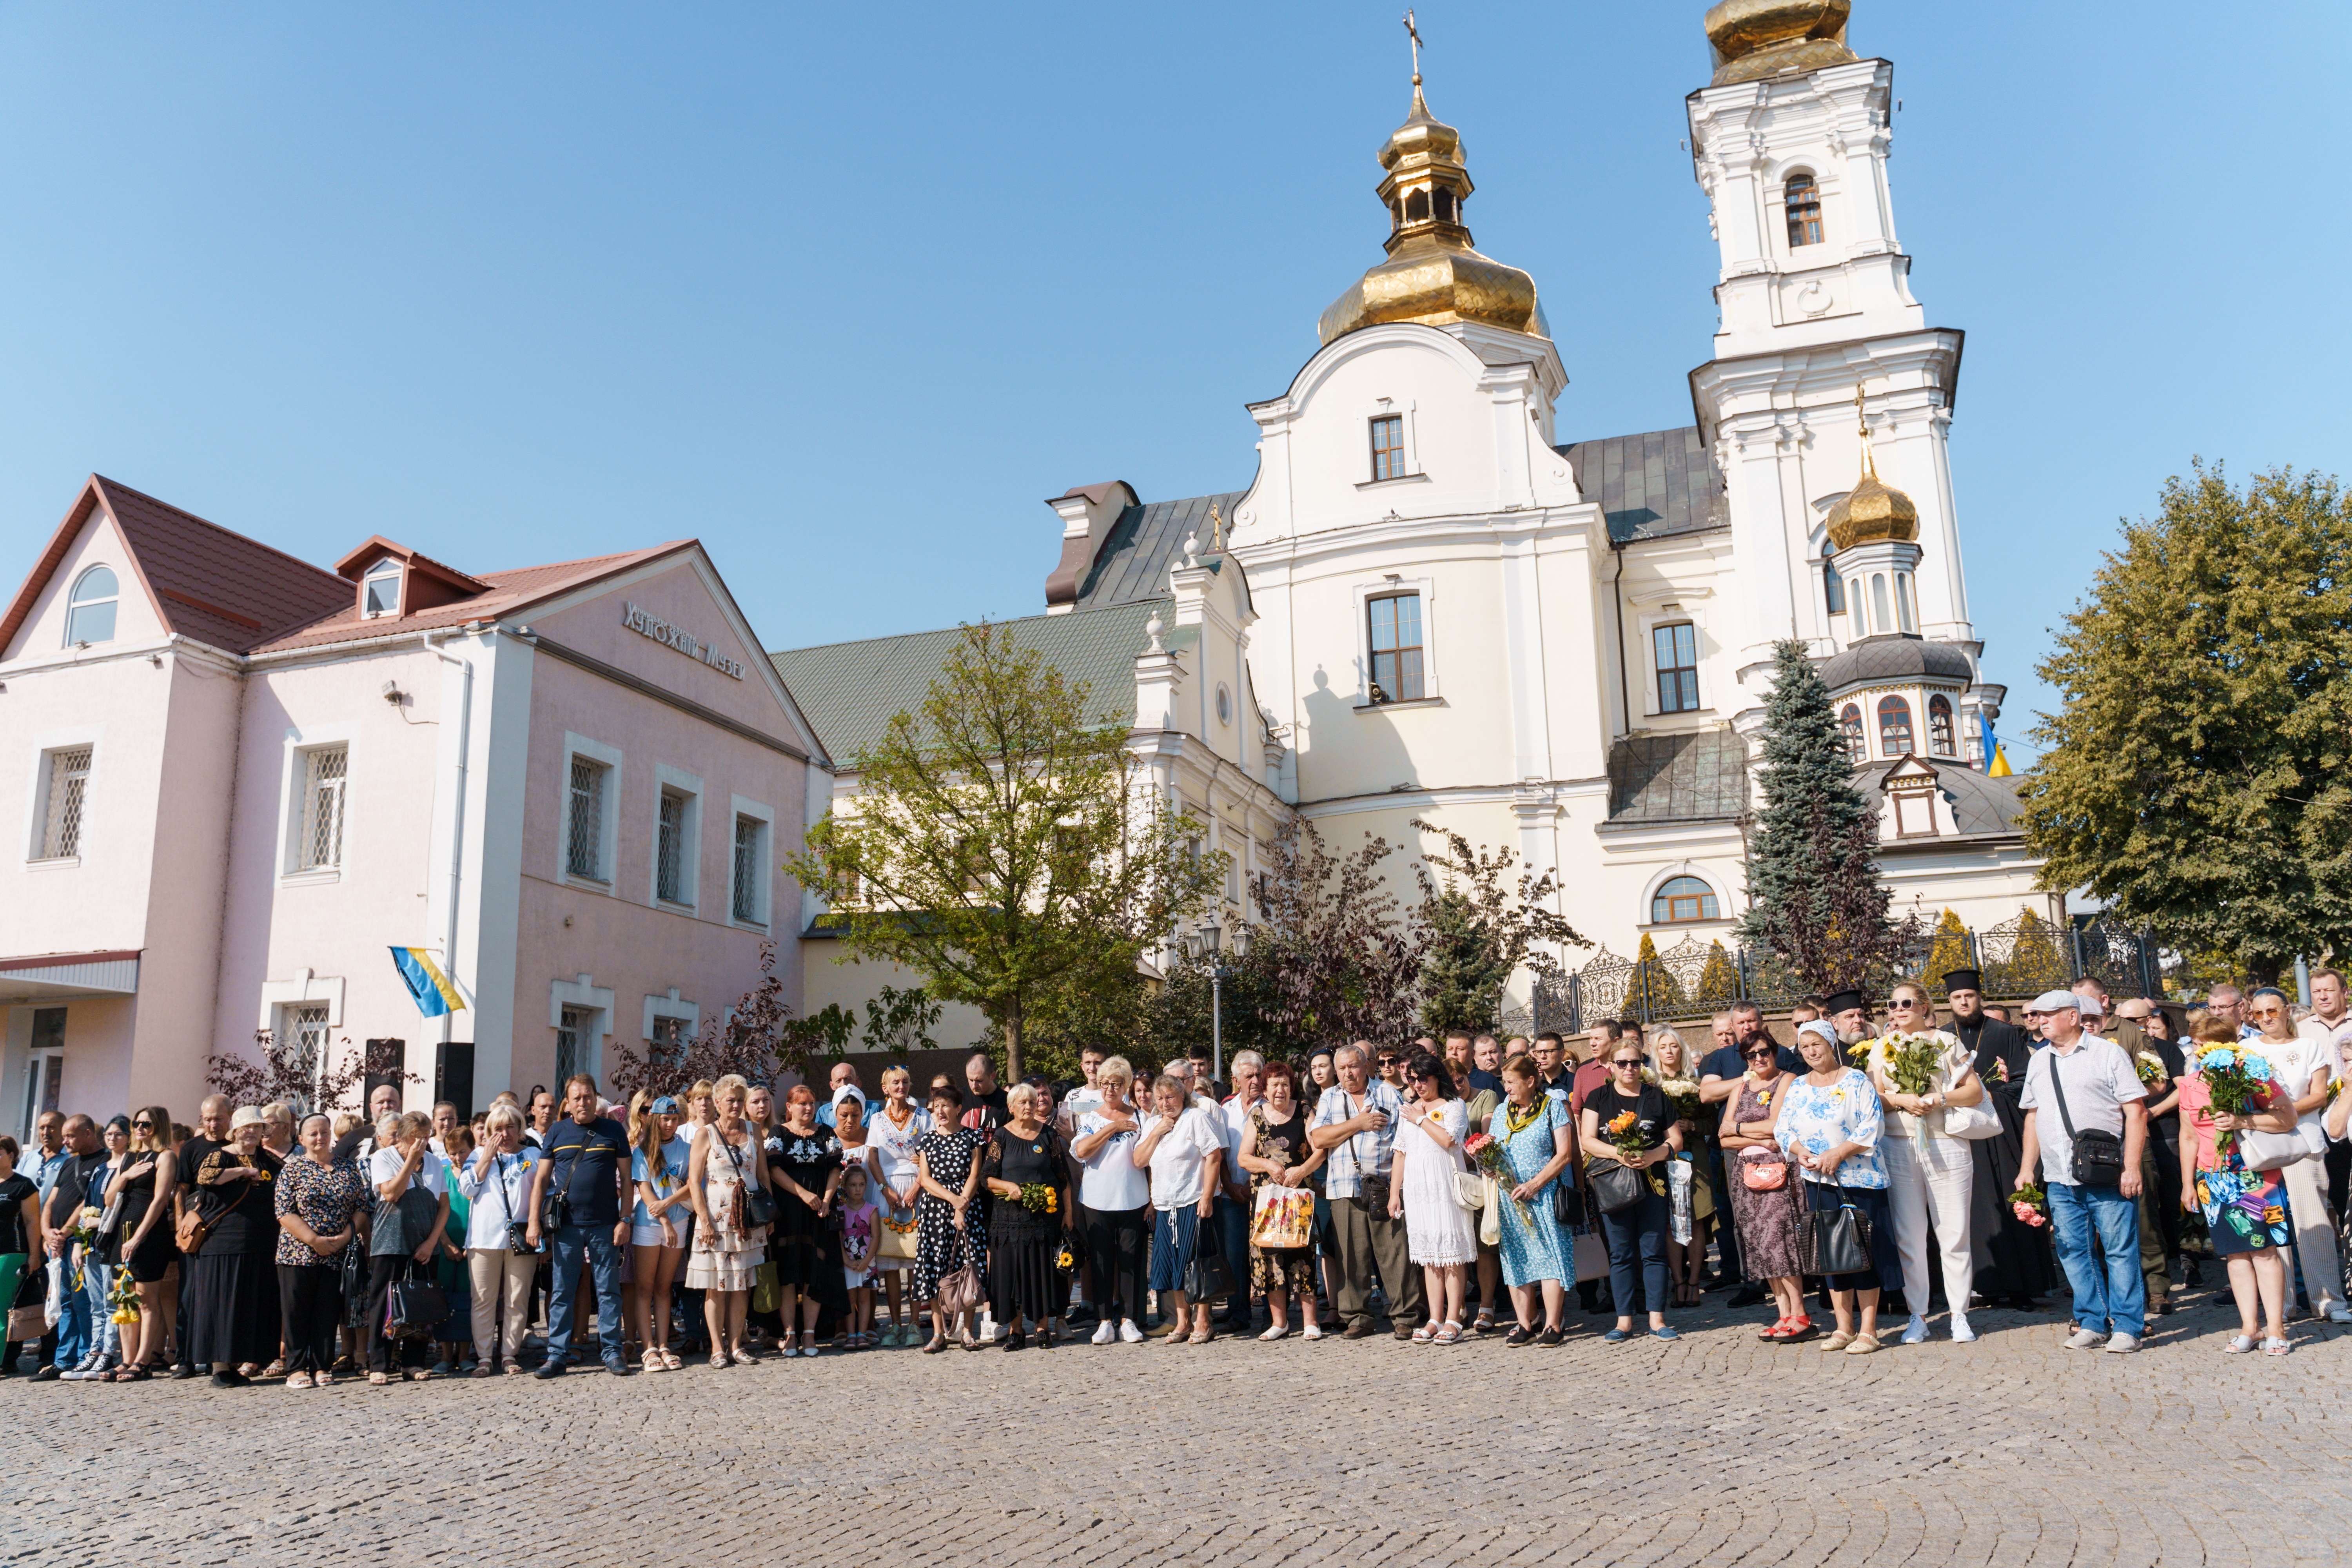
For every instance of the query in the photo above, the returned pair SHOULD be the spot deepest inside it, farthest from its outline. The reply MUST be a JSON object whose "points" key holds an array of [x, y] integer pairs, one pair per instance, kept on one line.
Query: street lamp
{"points": [[1202, 945]]}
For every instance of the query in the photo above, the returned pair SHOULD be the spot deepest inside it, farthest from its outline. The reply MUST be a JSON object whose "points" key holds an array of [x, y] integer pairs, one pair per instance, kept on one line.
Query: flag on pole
{"points": [[431, 989], [1998, 768]]}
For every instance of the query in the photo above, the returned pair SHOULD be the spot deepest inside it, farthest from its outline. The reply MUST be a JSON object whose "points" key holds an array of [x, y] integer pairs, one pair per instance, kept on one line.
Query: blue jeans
{"points": [[2115, 1299], [73, 1320], [97, 1280], [1233, 1228], [565, 1249], [1637, 1255]]}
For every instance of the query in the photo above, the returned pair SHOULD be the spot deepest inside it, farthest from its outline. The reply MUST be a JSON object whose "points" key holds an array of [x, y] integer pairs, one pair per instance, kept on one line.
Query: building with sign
{"points": [[240, 779]]}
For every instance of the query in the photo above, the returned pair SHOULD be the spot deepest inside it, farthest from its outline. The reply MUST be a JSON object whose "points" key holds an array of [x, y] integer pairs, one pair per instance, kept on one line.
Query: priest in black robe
{"points": [[2014, 1262]]}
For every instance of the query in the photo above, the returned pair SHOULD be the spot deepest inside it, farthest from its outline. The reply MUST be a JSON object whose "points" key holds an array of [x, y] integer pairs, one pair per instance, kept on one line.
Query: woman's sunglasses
{"points": [[1629, 1062], [142, 1127], [1760, 1053]]}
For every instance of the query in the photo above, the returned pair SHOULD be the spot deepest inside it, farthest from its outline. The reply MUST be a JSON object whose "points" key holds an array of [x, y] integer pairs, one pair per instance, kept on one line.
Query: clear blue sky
{"points": [[847, 292]]}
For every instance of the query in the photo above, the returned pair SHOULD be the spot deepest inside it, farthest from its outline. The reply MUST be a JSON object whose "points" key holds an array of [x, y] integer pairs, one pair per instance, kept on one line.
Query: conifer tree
{"points": [[1653, 991]]}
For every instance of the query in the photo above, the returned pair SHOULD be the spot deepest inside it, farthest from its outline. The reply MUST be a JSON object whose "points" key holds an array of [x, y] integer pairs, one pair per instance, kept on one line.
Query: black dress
{"points": [[156, 1252], [1024, 1277], [233, 1279], [2013, 1260], [804, 1248]]}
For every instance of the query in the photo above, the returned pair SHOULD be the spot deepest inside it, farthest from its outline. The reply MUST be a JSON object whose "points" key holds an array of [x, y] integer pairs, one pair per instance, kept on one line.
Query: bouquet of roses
{"points": [[2237, 1081], [1039, 1198], [1486, 1152], [2030, 1204], [1623, 1132]]}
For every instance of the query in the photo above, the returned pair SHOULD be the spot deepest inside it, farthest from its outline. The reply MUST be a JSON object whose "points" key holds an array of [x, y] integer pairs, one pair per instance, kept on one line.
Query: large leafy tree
{"points": [[1335, 955], [2194, 770], [1816, 901], [1484, 926], [1001, 843]]}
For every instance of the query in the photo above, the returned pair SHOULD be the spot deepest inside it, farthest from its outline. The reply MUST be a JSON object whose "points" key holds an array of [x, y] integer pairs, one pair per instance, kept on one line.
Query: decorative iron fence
{"points": [[2019, 957]]}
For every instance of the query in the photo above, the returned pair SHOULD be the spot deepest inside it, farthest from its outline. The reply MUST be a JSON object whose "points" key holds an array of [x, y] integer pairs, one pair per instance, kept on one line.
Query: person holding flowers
{"points": [[1768, 1201], [2306, 1065], [1027, 1166], [1628, 1122], [1918, 1071], [1531, 1144], [1831, 1125], [1674, 1070], [2229, 1090], [234, 1287], [1440, 1234]]}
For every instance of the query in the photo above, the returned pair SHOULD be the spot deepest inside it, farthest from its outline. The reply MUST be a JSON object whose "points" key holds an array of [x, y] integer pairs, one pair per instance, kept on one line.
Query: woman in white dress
{"points": [[1439, 1233], [728, 1249]]}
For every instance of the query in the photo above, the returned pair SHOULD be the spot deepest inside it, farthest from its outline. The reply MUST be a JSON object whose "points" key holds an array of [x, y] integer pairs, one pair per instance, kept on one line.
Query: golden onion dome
{"points": [[1755, 38], [1431, 274], [1874, 511]]}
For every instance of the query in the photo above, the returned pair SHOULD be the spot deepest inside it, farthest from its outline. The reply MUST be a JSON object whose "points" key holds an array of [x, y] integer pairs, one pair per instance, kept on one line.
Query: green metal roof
{"points": [[851, 690]]}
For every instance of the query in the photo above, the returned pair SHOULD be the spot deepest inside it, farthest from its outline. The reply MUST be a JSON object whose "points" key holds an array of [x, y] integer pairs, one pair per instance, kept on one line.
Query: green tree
{"points": [[1002, 845], [1816, 901], [1340, 958], [2036, 961], [1652, 992], [2194, 769], [1949, 951], [1484, 926], [1718, 983]]}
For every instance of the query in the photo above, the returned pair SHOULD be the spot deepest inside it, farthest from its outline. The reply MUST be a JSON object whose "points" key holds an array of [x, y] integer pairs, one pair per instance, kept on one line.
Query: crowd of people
{"points": [[1873, 1174]]}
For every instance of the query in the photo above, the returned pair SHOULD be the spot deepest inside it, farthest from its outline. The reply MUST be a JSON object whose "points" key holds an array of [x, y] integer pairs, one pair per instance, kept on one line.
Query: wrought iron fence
{"points": [[2019, 957]]}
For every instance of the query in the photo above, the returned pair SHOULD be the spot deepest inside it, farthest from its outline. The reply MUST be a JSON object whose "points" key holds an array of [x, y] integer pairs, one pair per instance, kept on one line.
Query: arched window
{"points": [[1882, 618], [1903, 600], [1850, 722], [1939, 727], [1680, 900], [1832, 585], [1416, 206], [1804, 201], [89, 610], [1446, 213], [1893, 727]]}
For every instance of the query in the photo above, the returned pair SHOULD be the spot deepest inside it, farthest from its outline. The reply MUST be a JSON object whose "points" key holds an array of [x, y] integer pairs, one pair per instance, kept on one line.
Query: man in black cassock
{"points": [[2014, 1264]]}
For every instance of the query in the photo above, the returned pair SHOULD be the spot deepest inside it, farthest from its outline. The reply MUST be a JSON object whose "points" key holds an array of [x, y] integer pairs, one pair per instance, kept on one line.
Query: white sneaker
{"points": [[2123, 1344], [2086, 1340], [1961, 1333], [2339, 1314], [1915, 1331], [1105, 1332], [1128, 1334]]}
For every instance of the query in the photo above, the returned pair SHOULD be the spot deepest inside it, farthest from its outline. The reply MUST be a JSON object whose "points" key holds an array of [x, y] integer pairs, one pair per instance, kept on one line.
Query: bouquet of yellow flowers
{"points": [[1039, 1198]]}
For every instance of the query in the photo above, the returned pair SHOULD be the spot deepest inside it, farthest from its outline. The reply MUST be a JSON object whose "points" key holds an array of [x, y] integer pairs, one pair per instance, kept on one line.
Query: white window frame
{"points": [[763, 888], [306, 989], [1409, 411], [1716, 881], [607, 832], [46, 743], [670, 781], [293, 771], [1381, 588], [1828, 251], [1646, 624], [34, 1060], [390, 566], [687, 1014], [74, 601], [582, 994]]}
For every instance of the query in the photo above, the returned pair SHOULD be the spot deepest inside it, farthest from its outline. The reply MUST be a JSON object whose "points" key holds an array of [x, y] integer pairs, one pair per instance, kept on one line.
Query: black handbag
{"points": [[351, 1267], [1841, 1239], [1616, 1187], [2098, 1155], [413, 1309], [1566, 1201], [759, 1204], [1210, 1275]]}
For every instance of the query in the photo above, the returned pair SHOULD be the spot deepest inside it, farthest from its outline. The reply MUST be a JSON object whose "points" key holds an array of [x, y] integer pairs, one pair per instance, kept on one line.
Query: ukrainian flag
{"points": [[2000, 768], [432, 990]]}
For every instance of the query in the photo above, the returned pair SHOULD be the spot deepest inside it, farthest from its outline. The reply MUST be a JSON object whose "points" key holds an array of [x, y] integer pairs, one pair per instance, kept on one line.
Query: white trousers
{"points": [[1937, 1183], [2315, 1240]]}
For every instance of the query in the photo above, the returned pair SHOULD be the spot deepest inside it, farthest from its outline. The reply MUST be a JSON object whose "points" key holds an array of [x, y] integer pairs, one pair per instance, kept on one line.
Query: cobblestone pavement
{"points": [[1716, 1449]]}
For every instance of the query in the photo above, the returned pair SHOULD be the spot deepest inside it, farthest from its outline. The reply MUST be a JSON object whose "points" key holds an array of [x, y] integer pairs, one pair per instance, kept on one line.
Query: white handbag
{"points": [[2273, 1151], [1490, 1224], [1470, 1190], [1971, 1122]]}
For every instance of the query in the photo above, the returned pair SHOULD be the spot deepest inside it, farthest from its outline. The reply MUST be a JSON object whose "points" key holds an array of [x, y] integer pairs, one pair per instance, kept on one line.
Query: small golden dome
{"points": [[1431, 274], [1756, 38], [1873, 513]]}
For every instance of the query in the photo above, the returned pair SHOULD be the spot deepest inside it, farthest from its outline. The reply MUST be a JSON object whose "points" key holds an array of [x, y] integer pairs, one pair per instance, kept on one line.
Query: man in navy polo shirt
{"points": [[586, 1171]]}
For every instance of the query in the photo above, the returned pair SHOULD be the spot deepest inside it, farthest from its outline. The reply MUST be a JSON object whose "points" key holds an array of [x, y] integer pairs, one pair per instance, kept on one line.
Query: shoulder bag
{"points": [[758, 1203], [2098, 1153], [1760, 1171], [1841, 1238], [1616, 1187], [1971, 1122], [413, 1309]]}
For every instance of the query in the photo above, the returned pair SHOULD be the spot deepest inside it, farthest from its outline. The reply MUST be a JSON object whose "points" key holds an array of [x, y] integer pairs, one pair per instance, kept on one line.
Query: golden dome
{"points": [[1431, 274], [1872, 513], [1755, 38]]}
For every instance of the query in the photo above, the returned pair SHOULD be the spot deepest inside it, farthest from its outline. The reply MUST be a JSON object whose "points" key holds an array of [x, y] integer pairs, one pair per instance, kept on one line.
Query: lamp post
{"points": [[1204, 943]]}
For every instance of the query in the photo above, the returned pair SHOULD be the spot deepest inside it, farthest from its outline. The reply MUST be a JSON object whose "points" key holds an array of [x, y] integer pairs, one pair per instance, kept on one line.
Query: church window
{"points": [[1939, 727], [1893, 727], [1850, 725], [1388, 446], [1803, 198], [1903, 600], [1832, 585], [1396, 648], [1676, 647], [1416, 206], [1683, 899], [1878, 601]]}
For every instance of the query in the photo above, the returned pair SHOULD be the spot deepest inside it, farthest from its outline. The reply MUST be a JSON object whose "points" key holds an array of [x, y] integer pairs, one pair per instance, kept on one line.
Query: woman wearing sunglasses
{"points": [[1768, 1201], [1930, 1174], [1626, 1121]]}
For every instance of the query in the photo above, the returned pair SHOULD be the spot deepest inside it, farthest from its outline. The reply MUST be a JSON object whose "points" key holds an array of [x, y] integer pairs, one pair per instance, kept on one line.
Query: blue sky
{"points": [[846, 292]]}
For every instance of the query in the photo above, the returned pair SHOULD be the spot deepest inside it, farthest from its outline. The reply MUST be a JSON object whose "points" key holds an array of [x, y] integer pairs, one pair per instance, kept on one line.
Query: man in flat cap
{"points": [[2079, 1087]]}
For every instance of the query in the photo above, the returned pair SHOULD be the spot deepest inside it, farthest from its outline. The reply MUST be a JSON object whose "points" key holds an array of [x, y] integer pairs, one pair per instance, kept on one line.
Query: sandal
{"points": [[1202, 1336], [1423, 1335], [651, 1362], [299, 1379], [938, 1343], [514, 1368], [719, 1360], [1314, 1331], [1777, 1329], [1279, 1332], [377, 1380], [275, 1369], [1519, 1336], [1449, 1332], [669, 1363]]}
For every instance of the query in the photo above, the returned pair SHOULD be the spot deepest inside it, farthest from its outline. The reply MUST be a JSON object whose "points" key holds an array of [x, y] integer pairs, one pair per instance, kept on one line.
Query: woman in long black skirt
{"points": [[233, 1278], [1028, 1172]]}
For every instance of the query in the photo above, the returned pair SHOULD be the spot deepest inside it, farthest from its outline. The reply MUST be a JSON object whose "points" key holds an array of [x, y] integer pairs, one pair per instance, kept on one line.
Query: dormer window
{"points": [[381, 589], [89, 610], [1803, 200]]}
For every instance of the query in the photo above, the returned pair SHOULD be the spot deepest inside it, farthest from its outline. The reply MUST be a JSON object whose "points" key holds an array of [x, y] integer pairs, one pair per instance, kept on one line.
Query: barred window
{"points": [[585, 834], [305, 1027], [68, 789], [669, 849], [750, 869], [571, 1041], [322, 845], [668, 1045]]}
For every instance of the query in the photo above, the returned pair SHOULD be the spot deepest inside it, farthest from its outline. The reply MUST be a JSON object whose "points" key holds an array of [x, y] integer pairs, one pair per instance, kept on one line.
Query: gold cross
{"points": [[1216, 529], [1414, 33]]}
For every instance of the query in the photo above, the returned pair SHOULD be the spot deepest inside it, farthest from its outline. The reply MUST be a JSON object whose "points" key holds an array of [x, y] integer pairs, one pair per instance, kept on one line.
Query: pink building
{"points": [[240, 780]]}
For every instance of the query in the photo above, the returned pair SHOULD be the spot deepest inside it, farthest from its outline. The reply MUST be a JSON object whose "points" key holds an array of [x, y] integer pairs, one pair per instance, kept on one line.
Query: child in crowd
{"points": [[861, 1224]]}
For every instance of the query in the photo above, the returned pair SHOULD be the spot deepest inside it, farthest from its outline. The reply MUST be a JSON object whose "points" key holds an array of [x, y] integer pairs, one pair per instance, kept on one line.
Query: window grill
{"points": [[323, 808], [748, 869], [570, 1042], [669, 850], [668, 1045], [584, 838], [69, 789]]}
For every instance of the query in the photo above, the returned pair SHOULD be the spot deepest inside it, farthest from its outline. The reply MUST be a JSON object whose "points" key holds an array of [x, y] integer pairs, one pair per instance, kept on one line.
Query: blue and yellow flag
{"points": [[1998, 768], [431, 988]]}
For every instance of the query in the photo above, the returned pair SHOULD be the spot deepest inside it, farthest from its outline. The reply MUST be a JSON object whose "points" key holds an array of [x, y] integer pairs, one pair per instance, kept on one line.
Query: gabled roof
{"points": [[1651, 485], [851, 690], [377, 547], [1981, 805], [1142, 546], [503, 594]]}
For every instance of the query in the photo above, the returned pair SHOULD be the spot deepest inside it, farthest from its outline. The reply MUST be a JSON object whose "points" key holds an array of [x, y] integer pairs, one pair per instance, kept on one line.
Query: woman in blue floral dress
{"points": [[1828, 1125], [2245, 1211], [1539, 1140]]}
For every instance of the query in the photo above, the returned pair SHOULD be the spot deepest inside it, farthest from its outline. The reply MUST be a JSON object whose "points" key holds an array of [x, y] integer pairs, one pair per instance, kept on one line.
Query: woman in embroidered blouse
{"points": [[1829, 1124], [1440, 1234], [1539, 1140]]}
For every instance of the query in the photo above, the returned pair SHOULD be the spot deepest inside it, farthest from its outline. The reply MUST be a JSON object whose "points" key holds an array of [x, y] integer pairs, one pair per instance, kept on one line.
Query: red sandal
{"points": [[1778, 1330]]}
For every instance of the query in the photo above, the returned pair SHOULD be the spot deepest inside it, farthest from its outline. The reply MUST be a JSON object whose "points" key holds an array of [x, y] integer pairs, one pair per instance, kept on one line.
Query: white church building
{"points": [[1431, 603]]}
